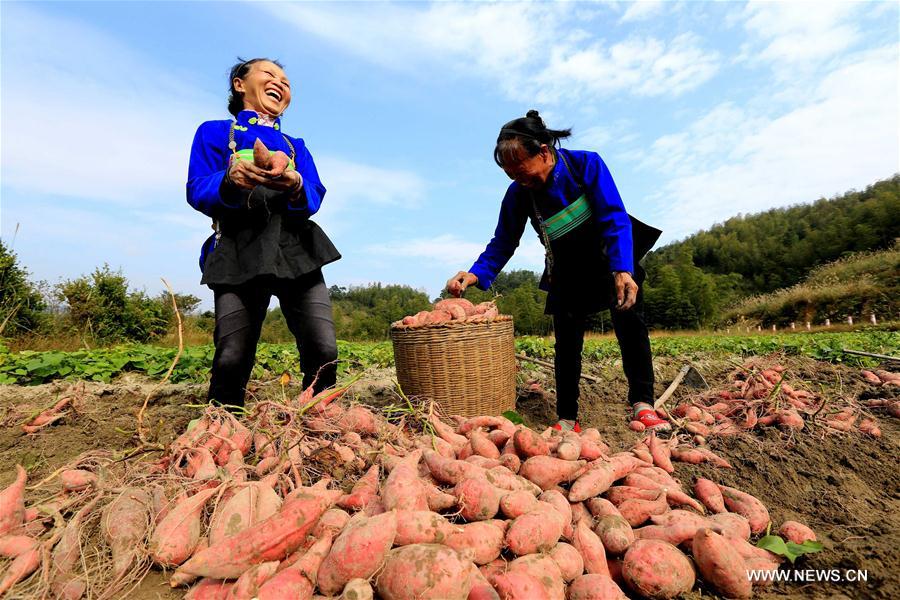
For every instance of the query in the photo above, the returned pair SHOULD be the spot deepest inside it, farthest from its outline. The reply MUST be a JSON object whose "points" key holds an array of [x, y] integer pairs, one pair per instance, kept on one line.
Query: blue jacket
{"points": [[562, 189], [210, 156]]}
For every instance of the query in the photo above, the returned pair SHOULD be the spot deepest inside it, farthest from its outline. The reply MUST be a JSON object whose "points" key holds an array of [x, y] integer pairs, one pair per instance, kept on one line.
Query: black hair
{"points": [[526, 133], [239, 71]]}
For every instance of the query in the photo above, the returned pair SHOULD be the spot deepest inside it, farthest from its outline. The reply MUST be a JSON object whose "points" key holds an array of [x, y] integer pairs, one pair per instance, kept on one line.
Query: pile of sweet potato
{"points": [[764, 396], [420, 507], [451, 309]]}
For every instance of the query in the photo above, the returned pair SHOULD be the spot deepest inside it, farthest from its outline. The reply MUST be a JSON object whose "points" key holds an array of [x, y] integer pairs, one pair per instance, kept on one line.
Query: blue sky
{"points": [[702, 110]]}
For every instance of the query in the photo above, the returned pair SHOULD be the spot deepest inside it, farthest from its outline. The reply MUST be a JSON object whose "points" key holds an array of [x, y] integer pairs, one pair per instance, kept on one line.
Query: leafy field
{"points": [[104, 364]]}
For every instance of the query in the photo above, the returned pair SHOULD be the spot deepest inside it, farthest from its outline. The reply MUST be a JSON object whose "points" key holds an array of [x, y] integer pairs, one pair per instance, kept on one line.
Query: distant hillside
{"points": [[779, 247], [696, 281], [855, 286]]}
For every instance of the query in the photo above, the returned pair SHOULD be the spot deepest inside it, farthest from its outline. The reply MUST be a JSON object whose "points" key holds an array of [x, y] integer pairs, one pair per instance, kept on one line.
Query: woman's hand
{"points": [[457, 284], [626, 290], [245, 175], [288, 181]]}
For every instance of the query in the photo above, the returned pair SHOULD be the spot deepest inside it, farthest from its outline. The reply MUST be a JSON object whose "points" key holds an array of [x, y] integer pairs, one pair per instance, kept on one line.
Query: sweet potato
{"points": [[710, 495], [618, 494], [124, 524], [175, 538], [535, 531], [656, 569], [790, 419], [484, 539], [210, 589], [569, 561], [519, 586], [251, 504], [516, 504], [720, 564], [468, 308], [642, 452], [23, 565], [796, 532], [358, 551], [748, 506], [661, 454], [500, 437], [870, 427], [332, 521], [731, 525], [590, 450], [477, 499], [558, 501], [623, 463], [77, 480], [482, 445], [591, 549], [528, 443], [297, 581], [425, 571], [600, 507], [248, 584], [422, 527], [570, 446], [596, 480], [503, 479], [511, 462], [67, 551], [363, 492], [446, 433], [403, 489], [474, 423], [271, 539], [545, 569], [595, 587], [615, 533], [450, 471], [637, 511], [481, 588], [12, 503], [675, 527], [636, 426]]}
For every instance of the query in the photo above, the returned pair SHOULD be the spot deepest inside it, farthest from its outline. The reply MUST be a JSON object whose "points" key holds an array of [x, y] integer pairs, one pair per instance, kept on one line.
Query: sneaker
{"points": [[650, 420], [567, 425]]}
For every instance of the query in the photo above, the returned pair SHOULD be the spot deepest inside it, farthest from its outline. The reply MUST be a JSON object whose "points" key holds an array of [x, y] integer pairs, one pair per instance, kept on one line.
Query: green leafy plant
{"points": [[791, 551], [513, 416]]}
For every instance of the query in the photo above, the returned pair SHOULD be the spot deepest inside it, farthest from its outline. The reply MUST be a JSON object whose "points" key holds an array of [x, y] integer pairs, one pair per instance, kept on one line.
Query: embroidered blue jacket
{"points": [[562, 189], [210, 157]]}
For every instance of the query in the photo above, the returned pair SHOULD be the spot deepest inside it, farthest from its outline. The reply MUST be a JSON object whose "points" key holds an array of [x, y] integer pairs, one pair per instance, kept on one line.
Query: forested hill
{"points": [[779, 247]]}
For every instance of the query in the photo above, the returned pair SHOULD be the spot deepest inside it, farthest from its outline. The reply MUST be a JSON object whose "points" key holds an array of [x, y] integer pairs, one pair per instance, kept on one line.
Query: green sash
{"points": [[247, 154], [568, 218]]}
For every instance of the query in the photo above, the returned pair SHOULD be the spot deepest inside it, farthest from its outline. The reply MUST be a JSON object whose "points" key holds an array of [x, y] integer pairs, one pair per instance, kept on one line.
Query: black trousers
{"points": [[634, 343], [240, 312]]}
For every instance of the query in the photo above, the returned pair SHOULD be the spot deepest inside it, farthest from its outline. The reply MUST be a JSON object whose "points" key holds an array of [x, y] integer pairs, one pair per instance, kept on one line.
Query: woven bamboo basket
{"points": [[468, 369]]}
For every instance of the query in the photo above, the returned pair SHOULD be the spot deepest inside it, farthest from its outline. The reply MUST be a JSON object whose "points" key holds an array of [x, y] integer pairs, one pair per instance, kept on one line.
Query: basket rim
{"points": [[451, 324]]}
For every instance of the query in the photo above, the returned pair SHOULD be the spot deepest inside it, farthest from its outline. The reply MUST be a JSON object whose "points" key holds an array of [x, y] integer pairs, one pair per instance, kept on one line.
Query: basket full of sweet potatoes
{"points": [[460, 355]]}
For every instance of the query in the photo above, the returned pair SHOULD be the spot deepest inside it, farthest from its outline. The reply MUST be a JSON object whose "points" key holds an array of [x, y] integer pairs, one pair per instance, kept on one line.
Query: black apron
{"points": [[264, 238], [577, 273]]}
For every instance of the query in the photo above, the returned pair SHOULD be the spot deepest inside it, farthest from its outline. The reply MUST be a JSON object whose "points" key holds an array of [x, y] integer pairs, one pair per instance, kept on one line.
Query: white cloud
{"points": [[530, 51], [644, 66], [844, 136], [791, 33], [447, 250], [640, 11]]}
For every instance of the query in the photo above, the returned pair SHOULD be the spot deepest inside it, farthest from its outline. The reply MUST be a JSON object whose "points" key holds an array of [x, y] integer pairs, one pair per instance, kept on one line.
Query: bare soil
{"points": [[842, 485]]}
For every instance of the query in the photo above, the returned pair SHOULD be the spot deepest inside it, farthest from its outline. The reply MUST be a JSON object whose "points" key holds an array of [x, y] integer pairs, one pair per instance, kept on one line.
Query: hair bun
{"points": [[533, 114]]}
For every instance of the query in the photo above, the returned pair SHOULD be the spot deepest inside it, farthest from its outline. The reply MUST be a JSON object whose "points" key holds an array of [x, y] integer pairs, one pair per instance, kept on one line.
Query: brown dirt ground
{"points": [[842, 485]]}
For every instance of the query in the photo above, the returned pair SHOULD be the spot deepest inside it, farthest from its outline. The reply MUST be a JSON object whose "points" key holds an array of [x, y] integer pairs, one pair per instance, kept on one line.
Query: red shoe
{"points": [[567, 425], [650, 420]]}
